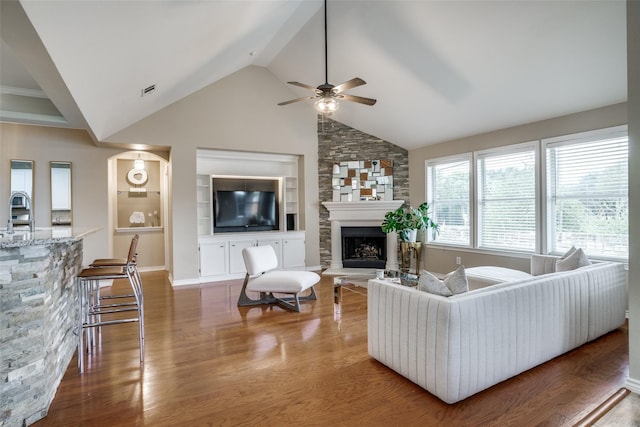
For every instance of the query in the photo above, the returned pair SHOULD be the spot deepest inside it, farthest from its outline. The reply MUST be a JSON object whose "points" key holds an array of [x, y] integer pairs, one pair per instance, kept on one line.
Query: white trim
{"points": [[21, 91], [633, 385], [506, 149], [32, 118], [588, 136]]}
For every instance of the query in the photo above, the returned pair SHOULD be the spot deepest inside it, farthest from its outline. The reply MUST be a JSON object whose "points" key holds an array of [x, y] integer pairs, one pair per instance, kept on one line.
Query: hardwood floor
{"points": [[211, 363]]}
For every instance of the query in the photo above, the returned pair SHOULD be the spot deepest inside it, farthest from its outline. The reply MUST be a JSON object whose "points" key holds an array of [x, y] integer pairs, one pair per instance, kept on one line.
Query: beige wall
{"points": [[90, 188], [443, 260], [235, 113], [89, 177], [633, 73]]}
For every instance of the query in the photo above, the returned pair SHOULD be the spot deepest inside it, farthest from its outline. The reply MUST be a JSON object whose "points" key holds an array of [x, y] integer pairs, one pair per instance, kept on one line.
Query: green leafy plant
{"points": [[404, 219]]}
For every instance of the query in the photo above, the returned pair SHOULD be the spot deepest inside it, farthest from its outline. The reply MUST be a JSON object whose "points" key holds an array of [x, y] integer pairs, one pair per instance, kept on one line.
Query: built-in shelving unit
{"points": [[221, 253], [228, 163], [203, 188], [291, 202]]}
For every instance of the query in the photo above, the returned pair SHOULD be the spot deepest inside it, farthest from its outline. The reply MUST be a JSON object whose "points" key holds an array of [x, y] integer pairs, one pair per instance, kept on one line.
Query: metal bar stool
{"points": [[121, 262], [91, 308]]}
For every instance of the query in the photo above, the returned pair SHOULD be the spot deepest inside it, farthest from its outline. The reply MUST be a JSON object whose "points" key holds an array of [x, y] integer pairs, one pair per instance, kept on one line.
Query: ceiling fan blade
{"points": [[305, 86], [355, 82], [297, 100], [358, 99]]}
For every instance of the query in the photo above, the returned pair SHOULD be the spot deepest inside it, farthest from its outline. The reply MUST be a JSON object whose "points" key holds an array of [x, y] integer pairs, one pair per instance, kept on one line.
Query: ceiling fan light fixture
{"points": [[326, 105], [326, 94]]}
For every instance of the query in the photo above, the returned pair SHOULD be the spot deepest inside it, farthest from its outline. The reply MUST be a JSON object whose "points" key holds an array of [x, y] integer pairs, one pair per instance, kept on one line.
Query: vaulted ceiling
{"points": [[439, 69]]}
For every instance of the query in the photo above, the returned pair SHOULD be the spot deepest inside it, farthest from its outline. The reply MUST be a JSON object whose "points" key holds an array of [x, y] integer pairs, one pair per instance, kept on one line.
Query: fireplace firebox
{"points": [[363, 247]]}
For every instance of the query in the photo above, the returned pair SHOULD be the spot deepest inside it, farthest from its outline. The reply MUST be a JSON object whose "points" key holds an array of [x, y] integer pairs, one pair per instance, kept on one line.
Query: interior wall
{"points": [[442, 260], [633, 89], [89, 177], [239, 112]]}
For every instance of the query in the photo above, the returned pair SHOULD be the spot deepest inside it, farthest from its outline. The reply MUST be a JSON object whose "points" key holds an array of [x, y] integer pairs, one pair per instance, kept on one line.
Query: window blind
{"points": [[448, 196], [507, 200], [587, 196]]}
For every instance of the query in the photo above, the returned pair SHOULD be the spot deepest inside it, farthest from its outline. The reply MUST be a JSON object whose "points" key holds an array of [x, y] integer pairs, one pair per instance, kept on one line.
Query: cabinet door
{"points": [[293, 253], [213, 259], [236, 262], [276, 244]]}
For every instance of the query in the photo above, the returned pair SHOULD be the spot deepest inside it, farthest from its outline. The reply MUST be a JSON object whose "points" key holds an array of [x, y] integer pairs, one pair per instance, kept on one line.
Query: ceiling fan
{"points": [[326, 94]]}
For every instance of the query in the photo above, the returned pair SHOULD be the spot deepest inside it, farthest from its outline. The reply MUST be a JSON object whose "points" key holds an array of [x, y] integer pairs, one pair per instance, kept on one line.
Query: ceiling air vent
{"points": [[149, 89]]}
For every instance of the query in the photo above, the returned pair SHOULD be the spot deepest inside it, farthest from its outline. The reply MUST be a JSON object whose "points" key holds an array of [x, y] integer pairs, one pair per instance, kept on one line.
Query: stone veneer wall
{"points": [[338, 142], [37, 323]]}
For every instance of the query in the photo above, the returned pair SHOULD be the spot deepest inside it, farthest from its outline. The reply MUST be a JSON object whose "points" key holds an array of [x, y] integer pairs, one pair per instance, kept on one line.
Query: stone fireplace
{"points": [[360, 215]]}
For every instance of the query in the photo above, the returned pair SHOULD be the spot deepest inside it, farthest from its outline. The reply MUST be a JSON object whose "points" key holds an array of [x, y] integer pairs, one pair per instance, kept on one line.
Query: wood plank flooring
{"points": [[211, 363]]}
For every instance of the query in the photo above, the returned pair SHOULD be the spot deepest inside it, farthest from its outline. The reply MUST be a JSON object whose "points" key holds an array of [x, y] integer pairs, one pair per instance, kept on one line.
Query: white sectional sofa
{"points": [[457, 346]]}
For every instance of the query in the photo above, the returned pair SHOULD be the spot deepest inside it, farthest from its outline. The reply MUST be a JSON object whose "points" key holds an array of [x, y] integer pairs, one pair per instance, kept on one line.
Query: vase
{"points": [[409, 235]]}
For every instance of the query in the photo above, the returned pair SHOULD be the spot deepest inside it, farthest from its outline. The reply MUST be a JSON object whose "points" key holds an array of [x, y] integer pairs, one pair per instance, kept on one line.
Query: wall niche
{"points": [[139, 202]]}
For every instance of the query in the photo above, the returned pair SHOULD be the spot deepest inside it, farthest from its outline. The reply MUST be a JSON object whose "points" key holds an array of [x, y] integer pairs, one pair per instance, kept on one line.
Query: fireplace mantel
{"points": [[373, 210], [359, 214]]}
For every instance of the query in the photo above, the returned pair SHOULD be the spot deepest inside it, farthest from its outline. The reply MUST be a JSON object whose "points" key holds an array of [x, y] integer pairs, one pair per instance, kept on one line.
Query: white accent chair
{"points": [[261, 263]]}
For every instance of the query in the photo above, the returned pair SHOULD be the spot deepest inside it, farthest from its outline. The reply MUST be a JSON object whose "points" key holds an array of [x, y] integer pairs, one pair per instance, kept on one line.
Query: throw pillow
{"points": [[569, 252], [453, 283], [575, 260], [457, 281], [430, 283]]}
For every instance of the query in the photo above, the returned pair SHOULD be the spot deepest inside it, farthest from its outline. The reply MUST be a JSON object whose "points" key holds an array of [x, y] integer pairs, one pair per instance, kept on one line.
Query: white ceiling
{"points": [[439, 69]]}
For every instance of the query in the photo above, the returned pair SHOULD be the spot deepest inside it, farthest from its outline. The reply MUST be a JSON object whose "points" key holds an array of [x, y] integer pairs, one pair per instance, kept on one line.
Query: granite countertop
{"points": [[23, 237]]}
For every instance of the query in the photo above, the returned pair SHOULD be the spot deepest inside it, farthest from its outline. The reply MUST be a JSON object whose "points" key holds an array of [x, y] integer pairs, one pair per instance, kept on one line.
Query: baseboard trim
{"points": [[633, 385]]}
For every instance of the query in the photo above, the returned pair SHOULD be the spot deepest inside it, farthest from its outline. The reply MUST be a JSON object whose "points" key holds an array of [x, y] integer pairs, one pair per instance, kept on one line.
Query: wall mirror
{"points": [[61, 212], [359, 180], [21, 180]]}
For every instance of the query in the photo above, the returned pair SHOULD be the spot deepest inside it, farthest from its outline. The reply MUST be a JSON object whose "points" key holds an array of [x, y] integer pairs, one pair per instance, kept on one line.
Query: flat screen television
{"points": [[243, 204]]}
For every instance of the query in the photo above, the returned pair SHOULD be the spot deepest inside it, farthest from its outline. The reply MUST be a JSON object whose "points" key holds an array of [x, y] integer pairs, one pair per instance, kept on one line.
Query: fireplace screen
{"points": [[364, 247]]}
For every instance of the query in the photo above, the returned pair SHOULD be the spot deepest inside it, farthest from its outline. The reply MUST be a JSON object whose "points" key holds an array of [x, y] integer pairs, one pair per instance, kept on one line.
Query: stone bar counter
{"points": [[38, 317]]}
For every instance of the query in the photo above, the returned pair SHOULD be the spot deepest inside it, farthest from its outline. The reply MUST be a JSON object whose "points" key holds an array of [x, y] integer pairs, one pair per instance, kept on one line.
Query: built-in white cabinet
{"points": [[293, 252], [236, 262], [214, 258], [221, 255]]}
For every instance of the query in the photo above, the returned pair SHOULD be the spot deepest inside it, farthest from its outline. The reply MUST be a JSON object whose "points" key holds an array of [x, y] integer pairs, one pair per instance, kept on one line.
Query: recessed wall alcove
{"points": [[138, 204], [337, 143]]}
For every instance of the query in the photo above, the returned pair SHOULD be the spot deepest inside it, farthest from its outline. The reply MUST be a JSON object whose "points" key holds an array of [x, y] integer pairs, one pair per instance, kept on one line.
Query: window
{"points": [[538, 197], [587, 193], [507, 199], [448, 196]]}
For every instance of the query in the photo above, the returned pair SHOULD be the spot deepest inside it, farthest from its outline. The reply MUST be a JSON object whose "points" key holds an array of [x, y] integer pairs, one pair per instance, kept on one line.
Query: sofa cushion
{"points": [[575, 259], [452, 284], [480, 277]]}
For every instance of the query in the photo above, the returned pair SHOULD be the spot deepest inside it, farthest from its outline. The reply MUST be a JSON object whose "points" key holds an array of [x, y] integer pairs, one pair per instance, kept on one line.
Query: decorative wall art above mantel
{"points": [[362, 180]]}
